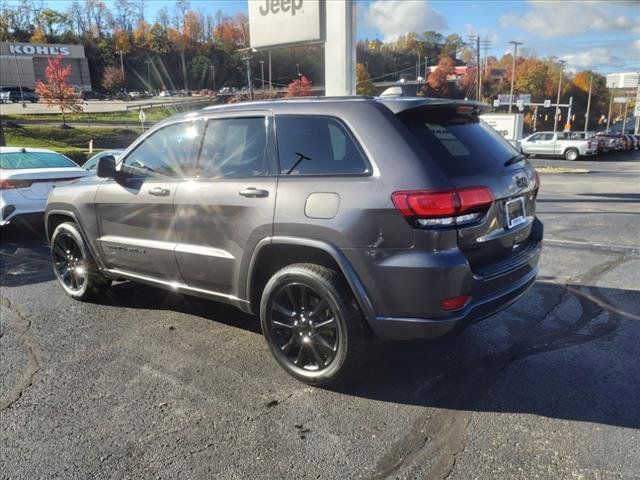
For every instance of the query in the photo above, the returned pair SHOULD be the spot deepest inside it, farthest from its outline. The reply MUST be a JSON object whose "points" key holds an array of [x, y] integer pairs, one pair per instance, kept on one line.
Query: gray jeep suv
{"points": [[333, 219]]}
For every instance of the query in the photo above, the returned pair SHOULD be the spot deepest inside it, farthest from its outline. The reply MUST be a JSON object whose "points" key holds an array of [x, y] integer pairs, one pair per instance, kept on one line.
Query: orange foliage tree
{"points": [[438, 82], [57, 92], [300, 87]]}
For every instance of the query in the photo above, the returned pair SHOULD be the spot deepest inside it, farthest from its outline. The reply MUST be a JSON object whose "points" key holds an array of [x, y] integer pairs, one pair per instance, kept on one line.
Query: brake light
{"points": [[439, 208], [9, 184]]}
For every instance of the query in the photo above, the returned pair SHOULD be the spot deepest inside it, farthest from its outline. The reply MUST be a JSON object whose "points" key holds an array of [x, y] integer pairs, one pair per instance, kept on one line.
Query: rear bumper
{"points": [[393, 328]]}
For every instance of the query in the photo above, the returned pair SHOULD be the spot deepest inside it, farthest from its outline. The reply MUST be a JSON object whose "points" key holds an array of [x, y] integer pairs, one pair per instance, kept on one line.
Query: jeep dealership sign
{"points": [[509, 125], [282, 22]]}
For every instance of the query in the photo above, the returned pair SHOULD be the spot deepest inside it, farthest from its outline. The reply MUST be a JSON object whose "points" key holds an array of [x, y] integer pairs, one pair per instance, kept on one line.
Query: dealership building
{"points": [[21, 64]]}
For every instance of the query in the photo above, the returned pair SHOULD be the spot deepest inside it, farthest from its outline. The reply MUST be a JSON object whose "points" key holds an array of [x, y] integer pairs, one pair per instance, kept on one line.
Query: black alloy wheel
{"points": [[303, 327]]}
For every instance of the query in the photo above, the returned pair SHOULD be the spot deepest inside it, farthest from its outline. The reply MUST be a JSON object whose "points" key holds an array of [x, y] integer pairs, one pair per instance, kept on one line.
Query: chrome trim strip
{"points": [[199, 250], [161, 245], [173, 285]]}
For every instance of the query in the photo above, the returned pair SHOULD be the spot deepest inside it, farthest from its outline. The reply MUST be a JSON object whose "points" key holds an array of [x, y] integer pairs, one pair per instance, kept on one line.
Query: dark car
{"points": [[15, 96], [90, 95], [334, 220]]}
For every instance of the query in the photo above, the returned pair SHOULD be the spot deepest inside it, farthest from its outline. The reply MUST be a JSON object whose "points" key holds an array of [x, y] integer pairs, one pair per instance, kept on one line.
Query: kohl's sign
{"points": [[275, 23], [49, 50]]}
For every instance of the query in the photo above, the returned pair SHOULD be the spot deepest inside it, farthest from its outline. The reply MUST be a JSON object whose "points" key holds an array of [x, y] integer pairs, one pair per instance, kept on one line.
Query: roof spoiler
{"points": [[405, 104]]}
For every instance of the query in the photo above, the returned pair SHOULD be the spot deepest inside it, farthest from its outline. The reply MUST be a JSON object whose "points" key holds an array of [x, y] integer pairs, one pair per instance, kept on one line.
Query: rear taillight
{"points": [[9, 184], [443, 208]]}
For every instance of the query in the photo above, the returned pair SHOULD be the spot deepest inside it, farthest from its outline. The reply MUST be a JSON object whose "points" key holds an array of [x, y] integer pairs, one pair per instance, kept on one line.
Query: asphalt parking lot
{"points": [[150, 384]]}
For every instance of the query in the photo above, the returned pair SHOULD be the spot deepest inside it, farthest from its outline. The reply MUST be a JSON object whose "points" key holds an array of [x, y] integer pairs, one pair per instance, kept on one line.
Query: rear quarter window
{"points": [[460, 145], [317, 145]]}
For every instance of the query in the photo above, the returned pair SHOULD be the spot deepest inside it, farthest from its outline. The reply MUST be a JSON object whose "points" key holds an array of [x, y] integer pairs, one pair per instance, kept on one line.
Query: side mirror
{"points": [[106, 167]]}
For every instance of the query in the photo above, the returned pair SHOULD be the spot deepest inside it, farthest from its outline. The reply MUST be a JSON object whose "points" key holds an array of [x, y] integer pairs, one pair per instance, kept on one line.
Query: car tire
{"points": [[73, 265], [313, 325], [571, 154]]}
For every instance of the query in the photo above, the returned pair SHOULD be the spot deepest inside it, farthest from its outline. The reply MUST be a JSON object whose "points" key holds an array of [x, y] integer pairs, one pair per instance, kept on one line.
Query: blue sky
{"points": [[603, 35]]}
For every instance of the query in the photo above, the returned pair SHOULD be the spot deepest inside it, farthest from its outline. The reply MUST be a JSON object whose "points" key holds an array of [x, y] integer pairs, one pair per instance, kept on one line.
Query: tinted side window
{"points": [[235, 148], [317, 146], [169, 152]]}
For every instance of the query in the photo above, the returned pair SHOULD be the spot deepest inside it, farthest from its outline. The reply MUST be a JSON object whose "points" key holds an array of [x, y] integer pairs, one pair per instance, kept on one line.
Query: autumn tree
{"points": [[142, 37], [38, 36], [300, 87], [112, 79], [364, 85], [438, 82], [57, 92]]}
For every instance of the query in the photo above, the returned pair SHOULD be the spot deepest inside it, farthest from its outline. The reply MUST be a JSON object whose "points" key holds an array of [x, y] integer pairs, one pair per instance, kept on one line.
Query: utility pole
{"points": [[624, 117], [555, 118], [586, 117], [535, 119], [148, 62], [479, 94], [569, 112], [121, 62], [418, 69], [426, 63], [213, 75], [247, 58], [262, 73], [513, 70], [610, 105], [270, 84]]}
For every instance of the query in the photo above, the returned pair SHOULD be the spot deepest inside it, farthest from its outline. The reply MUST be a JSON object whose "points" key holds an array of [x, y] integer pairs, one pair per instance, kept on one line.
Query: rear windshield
{"points": [[461, 145], [20, 160]]}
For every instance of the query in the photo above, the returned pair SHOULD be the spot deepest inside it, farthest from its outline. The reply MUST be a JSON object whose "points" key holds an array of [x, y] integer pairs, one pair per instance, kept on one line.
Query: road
{"points": [[150, 384]]}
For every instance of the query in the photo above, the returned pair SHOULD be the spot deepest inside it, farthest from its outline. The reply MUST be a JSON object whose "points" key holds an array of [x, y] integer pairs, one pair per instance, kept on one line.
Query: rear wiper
{"points": [[515, 159], [301, 157]]}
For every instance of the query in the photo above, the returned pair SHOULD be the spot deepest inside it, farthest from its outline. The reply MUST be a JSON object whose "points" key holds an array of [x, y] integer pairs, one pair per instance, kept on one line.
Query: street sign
{"points": [[496, 103], [525, 97], [547, 103], [509, 125], [621, 99]]}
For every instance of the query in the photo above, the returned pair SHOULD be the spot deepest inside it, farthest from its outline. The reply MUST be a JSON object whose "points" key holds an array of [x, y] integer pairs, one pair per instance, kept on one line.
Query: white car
{"points": [[27, 175]]}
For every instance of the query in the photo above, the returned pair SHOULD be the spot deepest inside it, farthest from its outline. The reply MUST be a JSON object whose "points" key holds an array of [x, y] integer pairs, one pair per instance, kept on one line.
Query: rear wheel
{"points": [[571, 154], [73, 264], [312, 324]]}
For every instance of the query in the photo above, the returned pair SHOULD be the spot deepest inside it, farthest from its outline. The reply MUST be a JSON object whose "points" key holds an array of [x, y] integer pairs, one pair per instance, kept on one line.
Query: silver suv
{"points": [[334, 220]]}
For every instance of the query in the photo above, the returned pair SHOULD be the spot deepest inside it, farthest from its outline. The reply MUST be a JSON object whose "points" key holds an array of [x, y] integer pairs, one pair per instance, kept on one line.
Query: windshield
{"points": [[461, 145], [24, 160]]}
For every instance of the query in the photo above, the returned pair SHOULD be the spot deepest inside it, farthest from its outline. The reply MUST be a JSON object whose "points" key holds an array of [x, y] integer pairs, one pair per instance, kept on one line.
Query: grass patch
{"points": [[73, 142], [152, 115]]}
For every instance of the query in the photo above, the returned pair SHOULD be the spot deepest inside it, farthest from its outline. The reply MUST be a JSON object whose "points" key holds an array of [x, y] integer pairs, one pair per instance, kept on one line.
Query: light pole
{"points": [[513, 70], [270, 84], [213, 75], [262, 72], [555, 118]]}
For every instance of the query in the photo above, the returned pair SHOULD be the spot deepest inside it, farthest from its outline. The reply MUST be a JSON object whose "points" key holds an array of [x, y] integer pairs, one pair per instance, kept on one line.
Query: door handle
{"points": [[159, 191], [253, 192]]}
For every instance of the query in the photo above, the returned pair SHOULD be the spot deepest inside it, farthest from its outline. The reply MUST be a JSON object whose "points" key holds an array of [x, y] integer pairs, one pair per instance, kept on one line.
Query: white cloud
{"points": [[393, 18], [595, 57], [563, 19]]}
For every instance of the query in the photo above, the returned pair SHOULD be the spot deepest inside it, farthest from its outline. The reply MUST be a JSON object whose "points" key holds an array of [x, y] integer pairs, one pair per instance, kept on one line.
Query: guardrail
{"points": [[145, 106]]}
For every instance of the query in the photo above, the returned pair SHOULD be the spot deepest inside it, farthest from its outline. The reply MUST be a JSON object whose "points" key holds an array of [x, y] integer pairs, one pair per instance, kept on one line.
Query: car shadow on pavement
{"points": [[24, 255], [581, 365]]}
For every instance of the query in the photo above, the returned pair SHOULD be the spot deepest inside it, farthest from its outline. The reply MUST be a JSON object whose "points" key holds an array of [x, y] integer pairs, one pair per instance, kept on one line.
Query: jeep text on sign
{"points": [[274, 23]]}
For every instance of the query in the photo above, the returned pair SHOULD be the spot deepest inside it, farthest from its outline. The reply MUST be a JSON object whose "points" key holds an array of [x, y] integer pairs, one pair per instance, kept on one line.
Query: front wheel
{"points": [[312, 324], [73, 264], [571, 154]]}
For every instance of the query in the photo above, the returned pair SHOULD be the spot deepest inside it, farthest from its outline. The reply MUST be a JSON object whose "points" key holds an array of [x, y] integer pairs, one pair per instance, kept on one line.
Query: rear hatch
{"points": [[472, 154]]}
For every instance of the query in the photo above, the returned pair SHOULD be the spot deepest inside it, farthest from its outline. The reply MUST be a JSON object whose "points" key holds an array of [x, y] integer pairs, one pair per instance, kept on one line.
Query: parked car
{"points": [[27, 175], [16, 97], [558, 144], [332, 219], [92, 163], [90, 95]]}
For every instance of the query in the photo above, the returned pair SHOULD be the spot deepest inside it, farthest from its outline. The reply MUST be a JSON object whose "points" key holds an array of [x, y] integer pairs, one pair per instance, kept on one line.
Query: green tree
{"points": [[364, 85]]}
